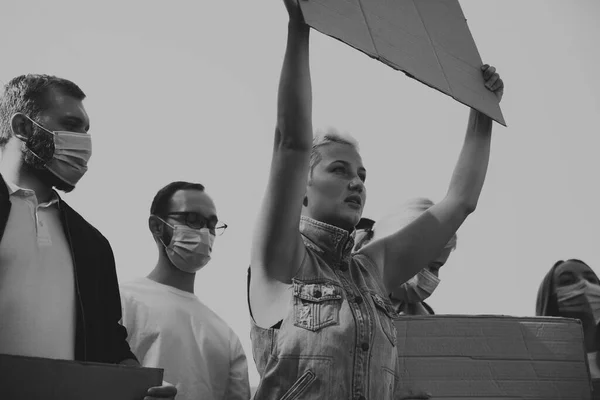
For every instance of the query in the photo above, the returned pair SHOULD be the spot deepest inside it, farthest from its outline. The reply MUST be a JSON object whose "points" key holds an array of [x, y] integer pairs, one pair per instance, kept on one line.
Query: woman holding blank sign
{"points": [[322, 322]]}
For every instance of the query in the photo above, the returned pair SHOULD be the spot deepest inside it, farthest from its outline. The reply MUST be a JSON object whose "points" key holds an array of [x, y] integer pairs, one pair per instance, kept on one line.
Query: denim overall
{"points": [[338, 340]]}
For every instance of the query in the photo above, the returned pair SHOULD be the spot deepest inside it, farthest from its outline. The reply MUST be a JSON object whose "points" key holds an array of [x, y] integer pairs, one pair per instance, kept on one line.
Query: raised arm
{"points": [[277, 249], [403, 254]]}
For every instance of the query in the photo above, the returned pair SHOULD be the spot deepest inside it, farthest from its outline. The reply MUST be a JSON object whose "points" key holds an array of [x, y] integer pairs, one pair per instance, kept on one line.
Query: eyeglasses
{"points": [[197, 221]]}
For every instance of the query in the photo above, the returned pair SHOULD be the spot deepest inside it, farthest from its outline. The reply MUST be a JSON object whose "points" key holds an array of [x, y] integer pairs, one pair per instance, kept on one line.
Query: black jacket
{"points": [[99, 335]]}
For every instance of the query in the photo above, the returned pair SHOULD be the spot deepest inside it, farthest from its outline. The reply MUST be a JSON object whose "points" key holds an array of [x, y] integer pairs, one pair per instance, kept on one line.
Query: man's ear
{"points": [[156, 226], [21, 126]]}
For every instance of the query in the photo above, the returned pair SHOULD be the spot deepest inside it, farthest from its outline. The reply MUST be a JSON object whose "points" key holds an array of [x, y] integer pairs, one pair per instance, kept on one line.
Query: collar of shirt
{"points": [[335, 242], [14, 189]]}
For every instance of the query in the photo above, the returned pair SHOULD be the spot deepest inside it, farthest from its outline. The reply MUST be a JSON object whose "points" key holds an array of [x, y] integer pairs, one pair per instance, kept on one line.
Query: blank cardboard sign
{"points": [[493, 357], [42, 378], [428, 40]]}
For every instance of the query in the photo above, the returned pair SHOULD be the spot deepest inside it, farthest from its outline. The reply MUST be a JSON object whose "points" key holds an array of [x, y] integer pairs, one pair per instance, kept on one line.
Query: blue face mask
{"points": [[72, 151]]}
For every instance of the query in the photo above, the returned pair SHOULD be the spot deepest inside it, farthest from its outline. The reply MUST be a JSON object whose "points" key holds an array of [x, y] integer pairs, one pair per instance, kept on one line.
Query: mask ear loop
{"points": [[169, 225], [20, 137], [38, 157]]}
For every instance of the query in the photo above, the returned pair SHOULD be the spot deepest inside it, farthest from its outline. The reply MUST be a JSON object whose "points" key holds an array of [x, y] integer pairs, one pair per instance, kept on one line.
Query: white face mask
{"points": [[72, 151], [189, 249], [418, 288], [582, 296]]}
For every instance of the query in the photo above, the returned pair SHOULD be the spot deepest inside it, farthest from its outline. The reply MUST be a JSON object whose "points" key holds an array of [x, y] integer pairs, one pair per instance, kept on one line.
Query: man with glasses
{"points": [[169, 327]]}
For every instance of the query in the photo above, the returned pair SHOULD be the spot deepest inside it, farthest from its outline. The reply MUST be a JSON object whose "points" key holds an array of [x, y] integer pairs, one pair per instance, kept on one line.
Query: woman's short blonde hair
{"points": [[330, 135]]}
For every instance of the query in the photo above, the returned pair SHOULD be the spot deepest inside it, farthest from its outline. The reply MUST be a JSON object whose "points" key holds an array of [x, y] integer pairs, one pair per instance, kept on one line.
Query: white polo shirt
{"points": [[37, 286]]}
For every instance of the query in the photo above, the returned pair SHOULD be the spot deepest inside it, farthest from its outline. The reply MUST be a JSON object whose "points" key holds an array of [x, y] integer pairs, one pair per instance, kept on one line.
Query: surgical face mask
{"points": [[582, 296], [418, 288], [189, 249], [72, 151]]}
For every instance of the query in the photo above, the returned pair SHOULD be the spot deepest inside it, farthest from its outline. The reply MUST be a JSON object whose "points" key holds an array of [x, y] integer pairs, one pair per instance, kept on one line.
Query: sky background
{"points": [[181, 90]]}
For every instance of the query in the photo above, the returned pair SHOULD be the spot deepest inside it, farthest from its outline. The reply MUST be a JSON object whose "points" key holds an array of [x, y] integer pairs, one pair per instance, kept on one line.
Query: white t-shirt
{"points": [[172, 329]]}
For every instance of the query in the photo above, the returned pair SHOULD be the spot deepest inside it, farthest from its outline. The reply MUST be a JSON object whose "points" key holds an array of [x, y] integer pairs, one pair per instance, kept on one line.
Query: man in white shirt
{"points": [[169, 327]]}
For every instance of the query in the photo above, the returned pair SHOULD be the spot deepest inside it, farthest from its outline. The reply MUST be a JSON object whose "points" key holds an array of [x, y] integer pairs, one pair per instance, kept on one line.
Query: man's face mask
{"points": [[418, 288], [582, 296], [189, 249], [69, 157]]}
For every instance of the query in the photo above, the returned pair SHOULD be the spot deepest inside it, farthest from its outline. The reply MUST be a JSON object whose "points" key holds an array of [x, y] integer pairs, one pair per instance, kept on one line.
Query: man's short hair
{"points": [[27, 94], [160, 203], [322, 138]]}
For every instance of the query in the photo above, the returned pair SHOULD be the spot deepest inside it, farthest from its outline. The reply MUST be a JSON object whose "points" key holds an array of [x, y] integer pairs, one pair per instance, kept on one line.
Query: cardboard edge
{"points": [[499, 120], [462, 12], [85, 363], [373, 56], [383, 60], [491, 316]]}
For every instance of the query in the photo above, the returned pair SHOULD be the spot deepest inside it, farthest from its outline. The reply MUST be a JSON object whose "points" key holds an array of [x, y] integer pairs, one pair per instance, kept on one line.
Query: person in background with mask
{"points": [[169, 327], [59, 296], [409, 297], [572, 290]]}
